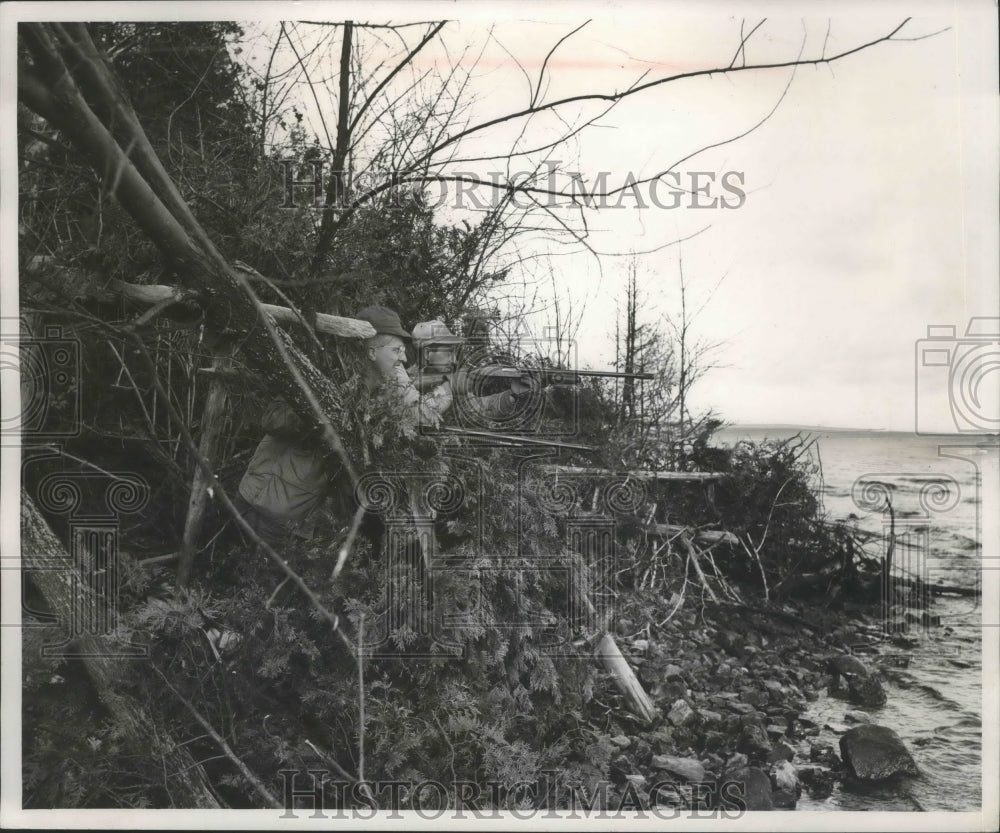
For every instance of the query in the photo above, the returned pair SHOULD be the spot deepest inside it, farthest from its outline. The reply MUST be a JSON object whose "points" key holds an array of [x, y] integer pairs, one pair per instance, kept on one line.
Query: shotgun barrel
{"points": [[513, 439]]}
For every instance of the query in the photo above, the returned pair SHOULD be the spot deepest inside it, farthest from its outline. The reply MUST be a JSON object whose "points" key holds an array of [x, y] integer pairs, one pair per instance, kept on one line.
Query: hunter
{"points": [[287, 478]]}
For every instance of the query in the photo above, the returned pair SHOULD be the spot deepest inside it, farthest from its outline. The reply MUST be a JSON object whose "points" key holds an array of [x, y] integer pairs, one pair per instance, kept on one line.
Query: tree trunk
{"points": [[212, 419], [184, 778]]}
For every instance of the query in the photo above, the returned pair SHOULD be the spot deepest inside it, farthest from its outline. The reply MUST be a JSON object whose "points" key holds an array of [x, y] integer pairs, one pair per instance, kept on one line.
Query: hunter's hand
{"points": [[461, 384], [526, 384]]}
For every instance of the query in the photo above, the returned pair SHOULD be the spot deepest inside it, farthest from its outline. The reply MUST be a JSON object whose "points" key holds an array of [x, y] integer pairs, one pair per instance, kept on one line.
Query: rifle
{"points": [[551, 375], [431, 376], [512, 439]]}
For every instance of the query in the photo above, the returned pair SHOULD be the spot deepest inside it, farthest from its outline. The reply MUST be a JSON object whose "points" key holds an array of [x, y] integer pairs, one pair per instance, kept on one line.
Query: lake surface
{"points": [[936, 485]]}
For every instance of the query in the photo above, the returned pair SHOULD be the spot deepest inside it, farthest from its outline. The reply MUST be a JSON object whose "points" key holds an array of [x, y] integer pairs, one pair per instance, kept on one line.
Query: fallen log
{"points": [[336, 325], [154, 294], [184, 778], [659, 476], [623, 675]]}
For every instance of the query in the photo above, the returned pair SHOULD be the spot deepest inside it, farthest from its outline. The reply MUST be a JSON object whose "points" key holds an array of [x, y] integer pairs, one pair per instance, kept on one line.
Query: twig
{"points": [[345, 550], [274, 595], [361, 697], [693, 558], [242, 767]]}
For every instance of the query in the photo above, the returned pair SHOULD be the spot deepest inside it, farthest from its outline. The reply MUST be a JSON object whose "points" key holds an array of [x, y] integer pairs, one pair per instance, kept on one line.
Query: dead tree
{"points": [[187, 782]]}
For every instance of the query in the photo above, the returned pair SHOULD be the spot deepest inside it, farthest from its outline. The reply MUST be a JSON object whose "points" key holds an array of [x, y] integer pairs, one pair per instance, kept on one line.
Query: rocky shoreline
{"points": [[734, 686]]}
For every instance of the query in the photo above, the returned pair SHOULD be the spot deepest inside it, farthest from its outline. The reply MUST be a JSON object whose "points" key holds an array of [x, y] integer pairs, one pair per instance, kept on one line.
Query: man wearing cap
{"points": [[385, 355], [287, 478], [437, 349]]}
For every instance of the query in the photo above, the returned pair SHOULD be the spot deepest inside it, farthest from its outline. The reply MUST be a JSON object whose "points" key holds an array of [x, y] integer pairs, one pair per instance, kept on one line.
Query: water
{"points": [[935, 701]]}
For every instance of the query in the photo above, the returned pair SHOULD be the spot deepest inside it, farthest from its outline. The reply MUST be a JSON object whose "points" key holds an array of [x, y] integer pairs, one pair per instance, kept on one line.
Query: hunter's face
{"points": [[389, 356]]}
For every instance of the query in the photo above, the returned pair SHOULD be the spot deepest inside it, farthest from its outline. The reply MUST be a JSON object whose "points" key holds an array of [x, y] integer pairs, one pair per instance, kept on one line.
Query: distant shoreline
{"points": [[826, 429]]}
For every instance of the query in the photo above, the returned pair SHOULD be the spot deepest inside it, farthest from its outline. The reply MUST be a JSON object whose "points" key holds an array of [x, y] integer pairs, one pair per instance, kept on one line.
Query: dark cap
{"points": [[384, 320]]}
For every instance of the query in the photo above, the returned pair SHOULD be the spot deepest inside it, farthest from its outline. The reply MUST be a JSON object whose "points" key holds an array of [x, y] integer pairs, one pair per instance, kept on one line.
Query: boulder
{"points": [[846, 665], [866, 691], [857, 717], [875, 753], [690, 769], [753, 785]]}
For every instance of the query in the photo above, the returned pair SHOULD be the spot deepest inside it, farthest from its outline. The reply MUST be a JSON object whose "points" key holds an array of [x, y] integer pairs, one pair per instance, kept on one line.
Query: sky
{"points": [[870, 207]]}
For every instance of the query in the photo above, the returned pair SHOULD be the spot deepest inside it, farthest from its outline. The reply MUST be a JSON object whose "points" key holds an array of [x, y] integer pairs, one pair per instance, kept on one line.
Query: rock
{"points": [[680, 713], [822, 753], [640, 644], [730, 641], [753, 785], [846, 665], [774, 687], [784, 776], [709, 717], [715, 740], [619, 768], [621, 741], [753, 741], [690, 769], [636, 780], [774, 731], [641, 750], [736, 761], [784, 799], [662, 738], [672, 671], [781, 752], [874, 753], [866, 691], [857, 717], [754, 697], [817, 779], [742, 708], [810, 694]]}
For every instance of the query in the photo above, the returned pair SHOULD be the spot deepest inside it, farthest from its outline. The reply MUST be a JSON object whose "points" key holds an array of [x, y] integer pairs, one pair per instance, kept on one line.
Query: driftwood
{"points": [[615, 664], [185, 780]]}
